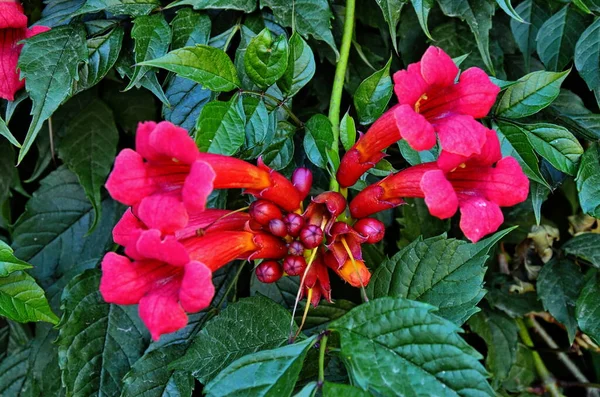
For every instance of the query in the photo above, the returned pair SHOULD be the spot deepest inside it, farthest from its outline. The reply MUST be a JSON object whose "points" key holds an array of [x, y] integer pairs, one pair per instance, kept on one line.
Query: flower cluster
{"points": [[13, 29], [173, 242]]}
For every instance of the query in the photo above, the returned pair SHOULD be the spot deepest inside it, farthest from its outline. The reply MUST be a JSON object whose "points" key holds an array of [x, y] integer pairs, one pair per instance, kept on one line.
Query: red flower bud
{"points": [[269, 272], [263, 211], [371, 228], [311, 236], [294, 223], [295, 248], [302, 181], [294, 265], [253, 225], [277, 228]]}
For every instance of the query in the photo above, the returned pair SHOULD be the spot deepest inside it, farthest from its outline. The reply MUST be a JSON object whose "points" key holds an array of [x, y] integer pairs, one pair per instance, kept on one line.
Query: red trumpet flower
{"points": [[479, 187], [430, 102], [13, 29]]}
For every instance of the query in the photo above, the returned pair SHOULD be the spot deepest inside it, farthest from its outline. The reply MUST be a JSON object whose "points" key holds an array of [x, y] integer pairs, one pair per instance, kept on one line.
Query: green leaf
{"points": [[558, 286], [570, 111], [538, 193], [373, 94], [414, 157], [119, 7], [300, 66], [508, 8], [220, 128], [13, 372], [283, 291], [422, 8], [347, 131], [89, 147], [417, 221], [270, 373], [22, 300], [103, 52], [7, 169], [587, 310], [478, 15], [309, 17], [206, 65], [266, 58], [557, 37], [317, 139], [49, 78], [52, 233], [554, 143], [187, 99], [530, 94], [446, 273], [319, 317], [152, 36], [391, 13], [584, 246], [515, 143], [514, 304], [260, 127], [587, 55], [190, 28], [9, 263], [588, 181], [98, 342], [523, 372], [59, 12], [239, 5], [245, 327], [337, 389], [5, 132], [402, 337], [500, 334]]}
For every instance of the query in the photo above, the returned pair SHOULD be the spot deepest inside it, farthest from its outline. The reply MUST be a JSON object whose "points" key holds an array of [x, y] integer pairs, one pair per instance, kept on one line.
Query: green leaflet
{"points": [[9, 263], [587, 55], [266, 58], [588, 181], [220, 128], [317, 139], [391, 13], [587, 310], [584, 246], [129, 7], [373, 94], [240, 5], [22, 300], [300, 66]]}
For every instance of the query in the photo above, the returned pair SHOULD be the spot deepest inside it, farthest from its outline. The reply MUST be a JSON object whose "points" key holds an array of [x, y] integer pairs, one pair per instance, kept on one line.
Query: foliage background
{"points": [[260, 84]]}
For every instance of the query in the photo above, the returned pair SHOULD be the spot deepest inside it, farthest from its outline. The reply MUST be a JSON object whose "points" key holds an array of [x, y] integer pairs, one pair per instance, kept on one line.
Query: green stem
{"points": [[545, 375], [322, 349], [338, 82], [278, 103]]}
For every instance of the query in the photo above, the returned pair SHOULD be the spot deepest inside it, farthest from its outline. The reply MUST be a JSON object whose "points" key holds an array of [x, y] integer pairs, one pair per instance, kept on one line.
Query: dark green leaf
{"points": [[337, 389], [523, 372], [187, 98], [508, 8], [103, 52], [446, 273], [152, 36], [98, 342], [538, 194], [500, 334], [300, 66], [7, 169], [266, 58], [310, 17], [130, 107], [5, 132], [88, 148], [557, 37], [49, 78], [260, 127], [584, 246], [317, 139], [400, 336], [13, 372], [478, 14], [220, 128], [422, 8], [240, 5], [417, 221], [22, 300], [206, 65], [588, 181], [248, 326], [391, 13], [588, 307], [414, 157], [190, 28], [9, 262], [318, 318], [530, 94], [118, 7], [373, 94], [535, 13], [558, 287], [283, 291], [271, 373], [59, 12], [347, 131], [572, 113], [587, 55], [514, 304]]}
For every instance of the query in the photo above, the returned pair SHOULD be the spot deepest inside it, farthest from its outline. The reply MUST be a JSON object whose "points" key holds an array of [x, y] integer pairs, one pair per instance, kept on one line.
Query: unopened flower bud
{"points": [[295, 248], [302, 181], [311, 236], [253, 225], [294, 223], [269, 272], [370, 228], [277, 228], [294, 265], [263, 211]]}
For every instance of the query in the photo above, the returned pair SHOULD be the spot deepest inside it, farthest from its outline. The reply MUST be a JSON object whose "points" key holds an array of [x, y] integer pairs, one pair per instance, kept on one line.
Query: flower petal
{"points": [[35, 30], [409, 85], [152, 245], [161, 311], [127, 231], [198, 186], [11, 15], [479, 217], [476, 94], [508, 185], [440, 196], [128, 183], [197, 289], [164, 212], [437, 68], [9, 57], [415, 128], [461, 135], [490, 151]]}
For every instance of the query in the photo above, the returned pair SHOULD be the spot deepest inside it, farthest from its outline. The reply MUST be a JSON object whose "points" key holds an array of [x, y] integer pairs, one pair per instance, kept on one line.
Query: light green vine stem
{"points": [[545, 375], [338, 82], [322, 349]]}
